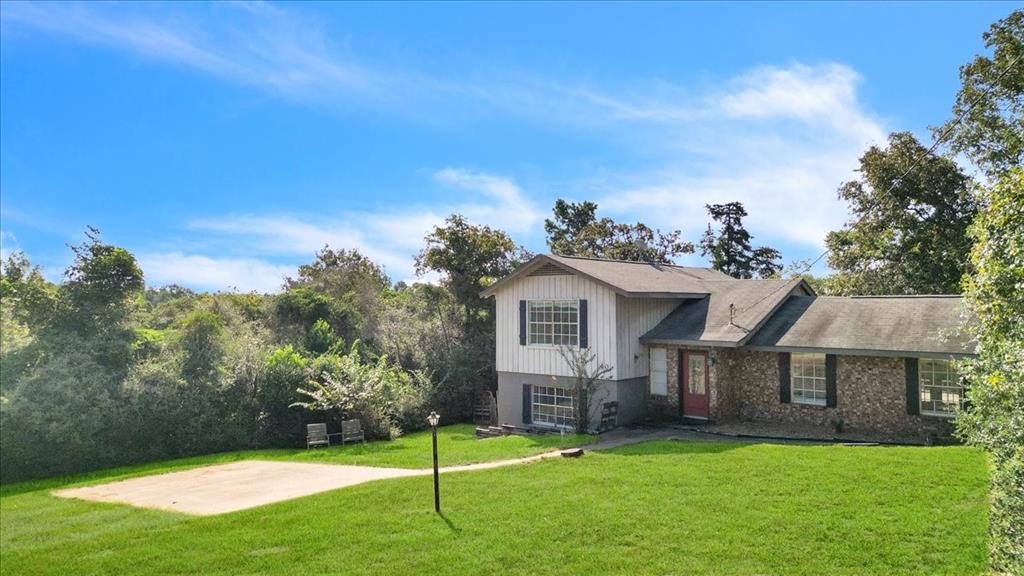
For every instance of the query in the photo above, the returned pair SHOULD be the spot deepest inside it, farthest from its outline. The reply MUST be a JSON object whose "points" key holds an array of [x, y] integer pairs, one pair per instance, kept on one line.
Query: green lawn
{"points": [[458, 445], [655, 508]]}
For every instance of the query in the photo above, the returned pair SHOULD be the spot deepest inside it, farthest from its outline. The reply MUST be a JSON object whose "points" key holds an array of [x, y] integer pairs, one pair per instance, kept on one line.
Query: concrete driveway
{"points": [[231, 487]]}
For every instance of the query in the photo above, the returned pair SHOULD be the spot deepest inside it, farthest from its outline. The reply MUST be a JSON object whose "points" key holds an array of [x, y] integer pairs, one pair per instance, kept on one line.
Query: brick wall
{"points": [[870, 392]]}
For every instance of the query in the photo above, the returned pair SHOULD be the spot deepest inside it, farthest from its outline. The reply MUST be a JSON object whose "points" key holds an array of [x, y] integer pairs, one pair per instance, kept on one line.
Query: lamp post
{"points": [[433, 419]]}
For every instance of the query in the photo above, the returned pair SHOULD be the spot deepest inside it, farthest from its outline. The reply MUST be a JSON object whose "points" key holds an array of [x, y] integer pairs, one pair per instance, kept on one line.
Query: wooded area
{"points": [[99, 370]]}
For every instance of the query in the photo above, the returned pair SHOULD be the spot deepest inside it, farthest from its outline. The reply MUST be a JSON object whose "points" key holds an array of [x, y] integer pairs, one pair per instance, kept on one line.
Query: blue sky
{"points": [[223, 144]]}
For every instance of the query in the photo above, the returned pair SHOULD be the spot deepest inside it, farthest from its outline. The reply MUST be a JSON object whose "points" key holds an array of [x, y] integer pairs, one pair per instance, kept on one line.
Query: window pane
{"points": [[940, 390]]}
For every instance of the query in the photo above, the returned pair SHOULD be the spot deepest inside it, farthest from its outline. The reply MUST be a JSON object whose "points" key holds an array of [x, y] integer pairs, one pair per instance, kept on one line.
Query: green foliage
{"points": [[350, 277], [994, 292], [991, 101], [730, 249], [906, 235], [469, 258], [321, 337], [576, 231], [279, 423], [202, 345], [383, 397]]}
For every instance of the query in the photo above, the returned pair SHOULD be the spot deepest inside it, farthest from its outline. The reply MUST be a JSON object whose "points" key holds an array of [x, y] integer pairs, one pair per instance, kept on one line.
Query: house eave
{"points": [[862, 352]]}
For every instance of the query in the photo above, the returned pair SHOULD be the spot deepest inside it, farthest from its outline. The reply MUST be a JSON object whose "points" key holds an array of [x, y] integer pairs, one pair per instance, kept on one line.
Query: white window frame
{"points": [[659, 371], [557, 324], [552, 406], [930, 371], [807, 374]]}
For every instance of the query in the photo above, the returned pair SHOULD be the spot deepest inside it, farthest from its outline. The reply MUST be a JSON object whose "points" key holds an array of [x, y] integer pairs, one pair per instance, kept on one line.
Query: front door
{"points": [[694, 368]]}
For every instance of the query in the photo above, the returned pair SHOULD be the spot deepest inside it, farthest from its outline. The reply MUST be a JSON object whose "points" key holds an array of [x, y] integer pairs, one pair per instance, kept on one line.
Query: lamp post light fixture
{"points": [[433, 419]]}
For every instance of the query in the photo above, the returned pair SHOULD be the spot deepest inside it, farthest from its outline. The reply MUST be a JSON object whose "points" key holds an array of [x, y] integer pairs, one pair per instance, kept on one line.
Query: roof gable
{"points": [[631, 279], [728, 316]]}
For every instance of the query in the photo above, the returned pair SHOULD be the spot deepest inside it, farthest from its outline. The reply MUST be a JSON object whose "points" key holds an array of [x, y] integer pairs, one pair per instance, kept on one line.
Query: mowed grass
{"points": [[458, 442], [654, 508]]}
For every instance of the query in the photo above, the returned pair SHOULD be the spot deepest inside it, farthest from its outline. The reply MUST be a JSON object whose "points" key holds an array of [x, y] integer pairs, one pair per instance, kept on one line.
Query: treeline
{"points": [[99, 371]]}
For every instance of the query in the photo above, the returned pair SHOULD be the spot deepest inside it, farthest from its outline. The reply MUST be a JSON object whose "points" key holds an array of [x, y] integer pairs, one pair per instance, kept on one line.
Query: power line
{"points": [[943, 136]]}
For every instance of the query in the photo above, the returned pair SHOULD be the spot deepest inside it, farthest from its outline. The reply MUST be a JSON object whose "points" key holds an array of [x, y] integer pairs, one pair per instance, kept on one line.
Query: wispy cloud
{"points": [[778, 138], [391, 237], [203, 272], [253, 44]]}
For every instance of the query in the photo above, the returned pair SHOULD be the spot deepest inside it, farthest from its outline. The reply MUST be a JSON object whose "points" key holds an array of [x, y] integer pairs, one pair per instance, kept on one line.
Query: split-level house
{"points": [[693, 344]]}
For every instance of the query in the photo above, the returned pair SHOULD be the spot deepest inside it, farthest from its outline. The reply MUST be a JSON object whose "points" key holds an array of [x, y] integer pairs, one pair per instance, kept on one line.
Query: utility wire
{"points": [[943, 136]]}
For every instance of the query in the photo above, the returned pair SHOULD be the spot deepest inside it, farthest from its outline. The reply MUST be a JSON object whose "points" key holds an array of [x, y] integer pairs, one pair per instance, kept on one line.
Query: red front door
{"points": [[694, 368]]}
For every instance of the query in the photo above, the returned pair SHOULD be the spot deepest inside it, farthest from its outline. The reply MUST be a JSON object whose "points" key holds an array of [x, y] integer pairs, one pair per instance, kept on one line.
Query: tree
{"points": [[994, 293], [576, 231], [730, 249], [286, 372], [908, 230], [991, 101], [587, 374], [469, 258], [202, 342], [347, 277]]}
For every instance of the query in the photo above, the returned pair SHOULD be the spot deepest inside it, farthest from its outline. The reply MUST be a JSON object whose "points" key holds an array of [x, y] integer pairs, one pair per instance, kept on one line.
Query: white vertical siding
{"points": [[635, 317], [511, 357]]}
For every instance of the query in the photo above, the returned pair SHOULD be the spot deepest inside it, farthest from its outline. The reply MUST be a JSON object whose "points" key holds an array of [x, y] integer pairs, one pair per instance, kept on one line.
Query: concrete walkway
{"points": [[224, 488]]}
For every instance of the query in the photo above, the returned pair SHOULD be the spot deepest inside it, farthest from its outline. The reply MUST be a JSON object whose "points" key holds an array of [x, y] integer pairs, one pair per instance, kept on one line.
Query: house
{"points": [[694, 344]]}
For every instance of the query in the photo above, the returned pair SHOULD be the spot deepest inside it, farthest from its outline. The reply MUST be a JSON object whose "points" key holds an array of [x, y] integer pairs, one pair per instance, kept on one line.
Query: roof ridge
{"points": [[669, 264]]}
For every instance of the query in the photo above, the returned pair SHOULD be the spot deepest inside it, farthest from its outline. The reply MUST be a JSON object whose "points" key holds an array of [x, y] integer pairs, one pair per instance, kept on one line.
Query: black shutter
{"points": [[527, 405], [913, 393], [784, 377], [584, 341], [830, 380], [522, 322]]}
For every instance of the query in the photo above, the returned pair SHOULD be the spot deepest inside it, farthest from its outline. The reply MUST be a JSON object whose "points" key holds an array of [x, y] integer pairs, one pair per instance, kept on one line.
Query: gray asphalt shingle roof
{"points": [[918, 324], [627, 278], [718, 310], [707, 320]]}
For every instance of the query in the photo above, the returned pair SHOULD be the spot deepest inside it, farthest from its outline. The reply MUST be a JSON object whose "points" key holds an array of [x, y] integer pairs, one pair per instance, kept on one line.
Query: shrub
{"points": [[384, 397]]}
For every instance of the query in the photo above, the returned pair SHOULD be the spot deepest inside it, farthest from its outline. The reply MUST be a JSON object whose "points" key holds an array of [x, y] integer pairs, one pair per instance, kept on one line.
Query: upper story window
{"points": [[940, 389], [553, 322], [807, 374]]}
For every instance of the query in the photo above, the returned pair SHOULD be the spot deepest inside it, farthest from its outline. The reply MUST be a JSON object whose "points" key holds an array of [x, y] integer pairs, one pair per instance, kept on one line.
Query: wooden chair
{"points": [[316, 435], [352, 431]]}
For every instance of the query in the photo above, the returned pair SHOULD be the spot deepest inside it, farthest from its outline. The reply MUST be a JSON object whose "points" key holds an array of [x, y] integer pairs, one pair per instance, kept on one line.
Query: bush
{"points": [[385, 398]]}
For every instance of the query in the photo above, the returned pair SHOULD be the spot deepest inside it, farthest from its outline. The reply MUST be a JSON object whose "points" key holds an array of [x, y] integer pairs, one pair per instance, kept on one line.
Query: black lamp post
{"points": [[433, 419]]}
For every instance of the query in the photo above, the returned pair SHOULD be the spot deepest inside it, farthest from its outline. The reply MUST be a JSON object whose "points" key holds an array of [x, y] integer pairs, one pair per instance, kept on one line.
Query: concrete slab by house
{"points": [[231, 487]]}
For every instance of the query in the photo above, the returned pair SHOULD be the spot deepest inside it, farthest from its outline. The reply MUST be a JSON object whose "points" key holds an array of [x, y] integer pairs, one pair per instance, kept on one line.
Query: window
{"points": [[553, 323], [939, 387], [807, 374], [553, 406], [659, 371]]}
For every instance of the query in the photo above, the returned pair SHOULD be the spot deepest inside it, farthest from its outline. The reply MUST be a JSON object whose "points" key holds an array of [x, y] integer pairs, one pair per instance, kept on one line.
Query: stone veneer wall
{"points": [[870, 394], [723, 403]]}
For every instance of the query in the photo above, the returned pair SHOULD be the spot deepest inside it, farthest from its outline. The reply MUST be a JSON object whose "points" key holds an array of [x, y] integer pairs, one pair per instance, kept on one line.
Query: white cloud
{"points": [[389, 237], [203, 272], [253, 44], [780, 139]]}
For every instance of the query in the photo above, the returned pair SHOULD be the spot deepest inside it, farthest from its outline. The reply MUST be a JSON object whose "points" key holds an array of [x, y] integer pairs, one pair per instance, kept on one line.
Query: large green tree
{"points": [[991, 101], [468, 258], [994, 293], [908, 230], [730, 249], [577, 231]]}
